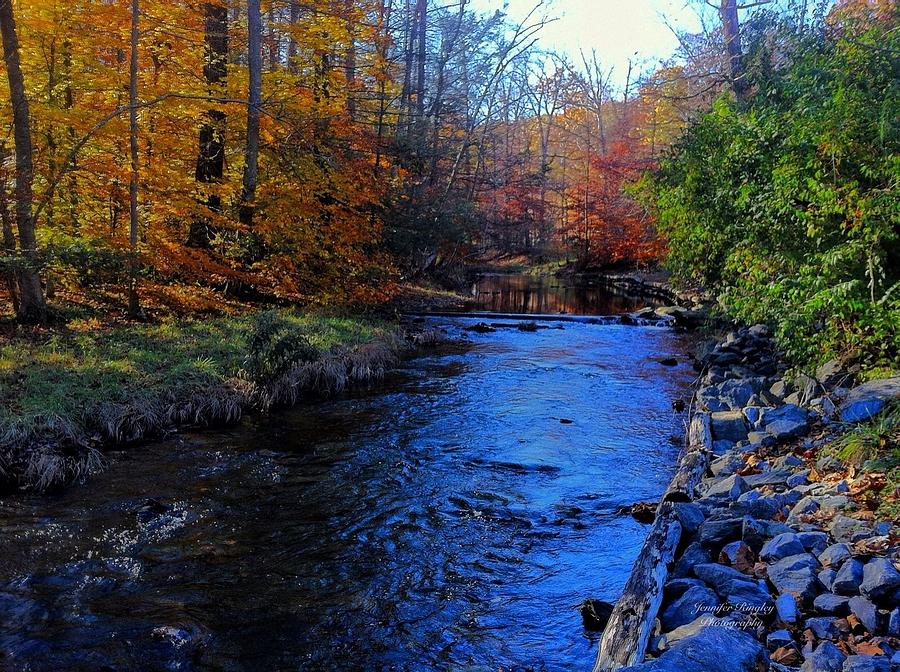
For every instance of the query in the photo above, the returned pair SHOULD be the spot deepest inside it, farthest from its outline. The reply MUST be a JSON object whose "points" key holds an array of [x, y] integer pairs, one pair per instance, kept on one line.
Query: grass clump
{"points": [[64, 394], [875, 445]]}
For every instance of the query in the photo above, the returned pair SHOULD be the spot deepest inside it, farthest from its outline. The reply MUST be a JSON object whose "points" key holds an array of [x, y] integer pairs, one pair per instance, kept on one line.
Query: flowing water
{"points": [[451, 519]]}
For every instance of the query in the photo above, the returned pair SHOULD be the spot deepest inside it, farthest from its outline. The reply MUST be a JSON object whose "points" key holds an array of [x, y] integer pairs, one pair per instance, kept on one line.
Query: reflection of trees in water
{"points": [[525, 294]]}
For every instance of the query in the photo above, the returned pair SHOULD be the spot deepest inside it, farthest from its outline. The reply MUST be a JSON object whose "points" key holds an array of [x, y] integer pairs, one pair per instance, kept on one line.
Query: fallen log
{"points": [[627, 634]]}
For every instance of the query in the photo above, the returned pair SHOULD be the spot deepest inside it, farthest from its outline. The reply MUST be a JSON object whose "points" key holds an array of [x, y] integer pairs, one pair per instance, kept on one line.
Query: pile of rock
{"points": [[779, 565]]}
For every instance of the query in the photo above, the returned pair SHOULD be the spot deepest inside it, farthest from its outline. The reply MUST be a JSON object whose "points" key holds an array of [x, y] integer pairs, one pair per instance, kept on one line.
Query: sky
{"points": [[617, 29]]}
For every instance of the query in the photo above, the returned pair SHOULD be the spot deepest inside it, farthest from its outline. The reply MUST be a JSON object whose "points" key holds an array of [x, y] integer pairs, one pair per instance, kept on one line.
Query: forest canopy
{"points": [[180, 155]]}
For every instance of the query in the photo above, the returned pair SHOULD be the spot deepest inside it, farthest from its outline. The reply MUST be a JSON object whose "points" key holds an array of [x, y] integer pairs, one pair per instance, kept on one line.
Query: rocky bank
{"points": [[782, 564]]}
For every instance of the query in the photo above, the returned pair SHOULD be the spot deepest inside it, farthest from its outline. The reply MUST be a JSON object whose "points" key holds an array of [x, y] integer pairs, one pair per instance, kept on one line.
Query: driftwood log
{"points": [[627, 634]]}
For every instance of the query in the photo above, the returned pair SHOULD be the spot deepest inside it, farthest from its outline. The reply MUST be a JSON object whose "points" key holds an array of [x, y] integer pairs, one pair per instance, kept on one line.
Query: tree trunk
{"points": [[254, 102], [422, 14], [31, 297], [624, 641], [410, 30], [350, 61], [134, 305], [292, 43], [211, 156], [9, 237], [731, 27]]}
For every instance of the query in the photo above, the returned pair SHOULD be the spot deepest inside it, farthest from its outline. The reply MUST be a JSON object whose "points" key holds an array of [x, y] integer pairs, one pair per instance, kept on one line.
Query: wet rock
{"points": [[481, 328], [880, 579], [695, 601], [848, 578], [826, 658], [786, 608], [643, 512], [703, 653], [730, 487], [717, 531], [595, 614], [823, 627], [868, 399], [781, 547], [867, 664], [796, 574], [834, 555], [829, 603], [728, 425], [865, 611], [668, 361]]}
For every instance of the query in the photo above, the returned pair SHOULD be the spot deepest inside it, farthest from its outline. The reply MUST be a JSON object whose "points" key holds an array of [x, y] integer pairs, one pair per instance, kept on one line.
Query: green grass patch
{"points": [[876, 445], [72, 372]]}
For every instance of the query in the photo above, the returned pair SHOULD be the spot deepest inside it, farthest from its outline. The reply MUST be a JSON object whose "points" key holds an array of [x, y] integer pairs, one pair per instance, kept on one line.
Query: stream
{"points": [[451, 519]]}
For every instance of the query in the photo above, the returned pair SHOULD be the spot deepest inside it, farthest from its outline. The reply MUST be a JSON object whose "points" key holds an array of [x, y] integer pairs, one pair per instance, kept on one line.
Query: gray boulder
{"points": [[829, 603], [726, 465], [781, 547], [696, 601], [690, 516], [704, 653], [848, 578], [755, 533], [824, 627], [695, 554], [796, 574], [826, 658], [786, 608], [880, 579], [721, 578], [730, 487], [735, 393], [833, 373], [868, 399], [814, 542], [834, 555], [844, 528], [717, 531], [827, 577], [866, 612], [867, 664], [728, 425]]}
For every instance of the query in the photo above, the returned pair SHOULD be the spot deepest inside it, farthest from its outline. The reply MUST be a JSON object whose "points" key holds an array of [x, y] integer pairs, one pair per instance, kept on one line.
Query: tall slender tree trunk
{"points": [[31, 296], [410, 31], [422, 14], [211, 155], [134, 304], [350, 61], [731, 27], [9, 236], [254, 102], [292, 43]]}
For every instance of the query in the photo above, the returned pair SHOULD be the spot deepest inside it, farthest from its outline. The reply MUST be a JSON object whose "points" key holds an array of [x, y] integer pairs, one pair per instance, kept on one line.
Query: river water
{"points": [[451, 519]]}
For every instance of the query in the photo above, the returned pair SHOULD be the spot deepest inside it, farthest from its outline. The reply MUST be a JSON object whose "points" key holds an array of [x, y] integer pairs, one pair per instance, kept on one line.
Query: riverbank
{"points": [[68, 393], [787, 556]]}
